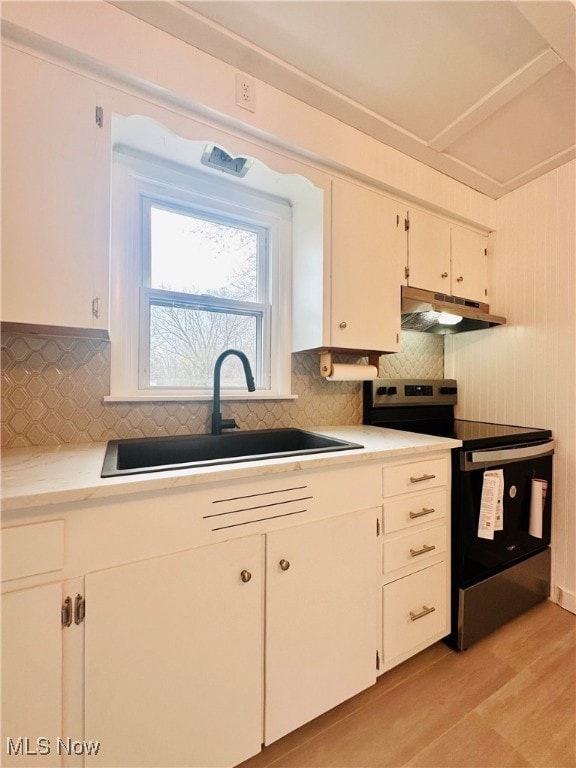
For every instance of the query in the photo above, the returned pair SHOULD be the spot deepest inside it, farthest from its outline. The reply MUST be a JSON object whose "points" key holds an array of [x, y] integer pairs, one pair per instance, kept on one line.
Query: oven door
{"points": [[476, 558]]}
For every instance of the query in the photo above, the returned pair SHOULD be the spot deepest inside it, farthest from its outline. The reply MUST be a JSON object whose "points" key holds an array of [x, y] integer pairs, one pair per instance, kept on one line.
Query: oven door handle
{"points": [[471, 460]]}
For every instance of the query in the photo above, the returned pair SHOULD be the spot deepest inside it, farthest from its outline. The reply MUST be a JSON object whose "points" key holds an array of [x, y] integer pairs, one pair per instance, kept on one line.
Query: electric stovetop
{"points": [[426, 406]]}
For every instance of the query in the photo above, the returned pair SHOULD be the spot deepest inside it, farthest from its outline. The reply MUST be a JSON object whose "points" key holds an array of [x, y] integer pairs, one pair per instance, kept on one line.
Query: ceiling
{"points": [[482, 90]]}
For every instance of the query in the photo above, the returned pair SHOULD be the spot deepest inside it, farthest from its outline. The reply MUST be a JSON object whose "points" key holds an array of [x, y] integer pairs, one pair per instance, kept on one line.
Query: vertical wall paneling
{"points": [[525, 373]]}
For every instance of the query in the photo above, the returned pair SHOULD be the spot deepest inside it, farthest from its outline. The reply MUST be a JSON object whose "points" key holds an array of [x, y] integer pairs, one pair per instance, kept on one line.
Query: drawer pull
{"points": [[284, 565], [424, 612], [245, 576], [425, 511], [425, 548], [421, 478]]}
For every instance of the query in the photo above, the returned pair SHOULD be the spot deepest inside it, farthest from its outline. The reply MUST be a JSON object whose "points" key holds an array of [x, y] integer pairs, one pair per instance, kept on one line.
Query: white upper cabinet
{"points": [[347, 294], [55, 177], [429, 252], [446, 258], [469, 264], [368, 246]]}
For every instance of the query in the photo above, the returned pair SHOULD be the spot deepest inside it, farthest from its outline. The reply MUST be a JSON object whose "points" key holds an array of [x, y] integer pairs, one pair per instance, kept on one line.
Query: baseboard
{"points": [[564, 598]]}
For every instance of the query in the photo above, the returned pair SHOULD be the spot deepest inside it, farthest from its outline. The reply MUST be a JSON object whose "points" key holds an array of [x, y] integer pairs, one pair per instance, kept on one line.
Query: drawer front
{"points": [[414, 548], [409, 511], [415, 476], [28, 550], [409, 620]]}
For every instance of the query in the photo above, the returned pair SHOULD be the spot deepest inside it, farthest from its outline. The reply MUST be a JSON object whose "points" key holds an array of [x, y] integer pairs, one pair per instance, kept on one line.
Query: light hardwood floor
{"points": [[510, 700]]}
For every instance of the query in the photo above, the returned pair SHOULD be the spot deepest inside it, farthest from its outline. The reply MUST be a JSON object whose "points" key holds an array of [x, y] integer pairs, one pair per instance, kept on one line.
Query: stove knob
{"points": [[392, 390], [381, 391]]}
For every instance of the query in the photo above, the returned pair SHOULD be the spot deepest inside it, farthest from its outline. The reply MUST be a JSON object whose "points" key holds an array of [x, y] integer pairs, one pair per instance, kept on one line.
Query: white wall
{"points": [[525, 373]]}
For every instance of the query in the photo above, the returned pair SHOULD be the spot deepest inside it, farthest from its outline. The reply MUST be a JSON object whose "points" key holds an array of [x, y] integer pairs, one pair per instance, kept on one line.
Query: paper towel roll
{"points": [[347, 372]]}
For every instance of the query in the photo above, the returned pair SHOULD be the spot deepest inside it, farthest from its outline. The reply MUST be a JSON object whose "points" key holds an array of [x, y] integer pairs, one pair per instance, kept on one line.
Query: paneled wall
{"points": [[525, 373], [52, 390]]}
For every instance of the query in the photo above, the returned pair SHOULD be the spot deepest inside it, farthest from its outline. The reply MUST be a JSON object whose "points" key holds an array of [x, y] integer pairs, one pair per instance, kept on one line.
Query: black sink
{"points": [[155, 454]]}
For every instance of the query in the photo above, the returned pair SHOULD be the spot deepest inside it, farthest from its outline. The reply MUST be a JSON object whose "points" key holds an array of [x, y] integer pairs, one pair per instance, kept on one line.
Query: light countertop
{"points": [[40, 476]]}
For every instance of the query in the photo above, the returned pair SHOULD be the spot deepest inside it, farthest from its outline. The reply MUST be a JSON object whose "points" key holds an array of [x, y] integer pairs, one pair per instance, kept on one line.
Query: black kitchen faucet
{"points": [[218, 423]]}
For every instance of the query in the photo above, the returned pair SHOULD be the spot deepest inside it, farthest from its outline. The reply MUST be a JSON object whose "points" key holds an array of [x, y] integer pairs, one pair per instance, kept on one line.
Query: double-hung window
{"points": [[199, 265]]}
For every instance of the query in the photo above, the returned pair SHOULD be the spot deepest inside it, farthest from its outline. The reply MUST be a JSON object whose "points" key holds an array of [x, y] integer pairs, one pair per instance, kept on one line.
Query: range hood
{"points": [[432, 312]]}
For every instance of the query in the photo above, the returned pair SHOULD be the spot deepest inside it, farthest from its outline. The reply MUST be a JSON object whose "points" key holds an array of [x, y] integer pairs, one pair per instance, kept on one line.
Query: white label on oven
{"points": [[491, 504]]}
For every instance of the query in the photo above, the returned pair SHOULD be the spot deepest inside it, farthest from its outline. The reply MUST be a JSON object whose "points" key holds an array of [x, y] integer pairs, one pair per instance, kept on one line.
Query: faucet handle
{"points": [[228, 424]]}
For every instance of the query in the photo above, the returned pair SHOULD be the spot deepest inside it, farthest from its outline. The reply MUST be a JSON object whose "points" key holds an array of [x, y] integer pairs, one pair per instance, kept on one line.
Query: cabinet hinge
{"points": [[96, 307], [406, 272], [485, 251], [406, 224], [377, 527], [79, 609], [99, 117], [66, 612], [398, 220], [377, 659]]}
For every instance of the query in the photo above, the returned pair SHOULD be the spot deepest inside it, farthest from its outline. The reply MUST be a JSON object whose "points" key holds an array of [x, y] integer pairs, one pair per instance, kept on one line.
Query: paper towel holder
{"points": [[326, 365]]}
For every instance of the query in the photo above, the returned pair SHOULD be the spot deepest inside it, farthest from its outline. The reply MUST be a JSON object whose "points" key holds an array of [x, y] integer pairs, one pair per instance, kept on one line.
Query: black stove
{"points": [[494, 578]]}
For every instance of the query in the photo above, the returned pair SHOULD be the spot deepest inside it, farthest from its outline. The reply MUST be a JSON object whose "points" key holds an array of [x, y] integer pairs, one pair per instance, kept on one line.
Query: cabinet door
{"points": [[174, 658], [32, 676], [321, 617], [469, 264], [429, 252], [368, 256], [55, 174]]}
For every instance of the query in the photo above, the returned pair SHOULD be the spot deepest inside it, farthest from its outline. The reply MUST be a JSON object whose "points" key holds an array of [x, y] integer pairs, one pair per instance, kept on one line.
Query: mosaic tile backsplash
{"points": [[53, 389]]}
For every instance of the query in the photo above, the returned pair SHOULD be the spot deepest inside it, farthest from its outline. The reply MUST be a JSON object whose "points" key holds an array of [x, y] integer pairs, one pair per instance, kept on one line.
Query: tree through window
{"points": [[207, 292]]}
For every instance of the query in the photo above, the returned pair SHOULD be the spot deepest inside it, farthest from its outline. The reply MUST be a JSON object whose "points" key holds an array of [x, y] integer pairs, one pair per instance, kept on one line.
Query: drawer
{"points": [[415, 611], [414, 548], [409, 511], [415, 476], [28, 550]]}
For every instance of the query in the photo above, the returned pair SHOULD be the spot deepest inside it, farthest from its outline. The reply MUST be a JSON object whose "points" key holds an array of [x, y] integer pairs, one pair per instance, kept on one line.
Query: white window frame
{"points": [[136, 178]]}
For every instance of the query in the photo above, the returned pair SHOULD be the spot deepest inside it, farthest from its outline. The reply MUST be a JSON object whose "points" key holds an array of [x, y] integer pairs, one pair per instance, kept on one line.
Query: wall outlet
{"points": [[245, 92]]}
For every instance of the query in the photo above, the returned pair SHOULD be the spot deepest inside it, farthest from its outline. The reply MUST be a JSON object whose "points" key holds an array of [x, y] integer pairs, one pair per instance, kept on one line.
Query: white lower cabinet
{"points": [[203, 629], [176, 672], [173, 673], [415, 609], [415, 557], [32, 676], [321, 633]]}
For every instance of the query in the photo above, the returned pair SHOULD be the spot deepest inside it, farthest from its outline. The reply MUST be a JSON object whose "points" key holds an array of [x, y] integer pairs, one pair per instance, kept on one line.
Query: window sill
{"points": [[158, 397]]}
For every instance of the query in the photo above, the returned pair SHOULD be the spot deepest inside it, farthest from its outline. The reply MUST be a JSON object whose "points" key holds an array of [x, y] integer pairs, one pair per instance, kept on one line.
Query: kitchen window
{"points": [[199, 265]]}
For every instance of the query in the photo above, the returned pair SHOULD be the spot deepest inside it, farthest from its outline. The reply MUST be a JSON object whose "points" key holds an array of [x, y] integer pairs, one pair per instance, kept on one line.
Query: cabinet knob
{"points": [[284, 565], [444, 275], [342, 325], [459, 279], [245, 576]]}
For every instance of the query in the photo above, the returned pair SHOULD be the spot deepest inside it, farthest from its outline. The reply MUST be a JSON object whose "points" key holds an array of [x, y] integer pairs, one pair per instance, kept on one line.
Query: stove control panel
{"points": [[414, 392]]}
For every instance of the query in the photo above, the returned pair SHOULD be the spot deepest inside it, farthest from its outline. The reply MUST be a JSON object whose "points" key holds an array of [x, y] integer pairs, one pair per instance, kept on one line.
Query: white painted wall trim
{"points": [[103, 41]]}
